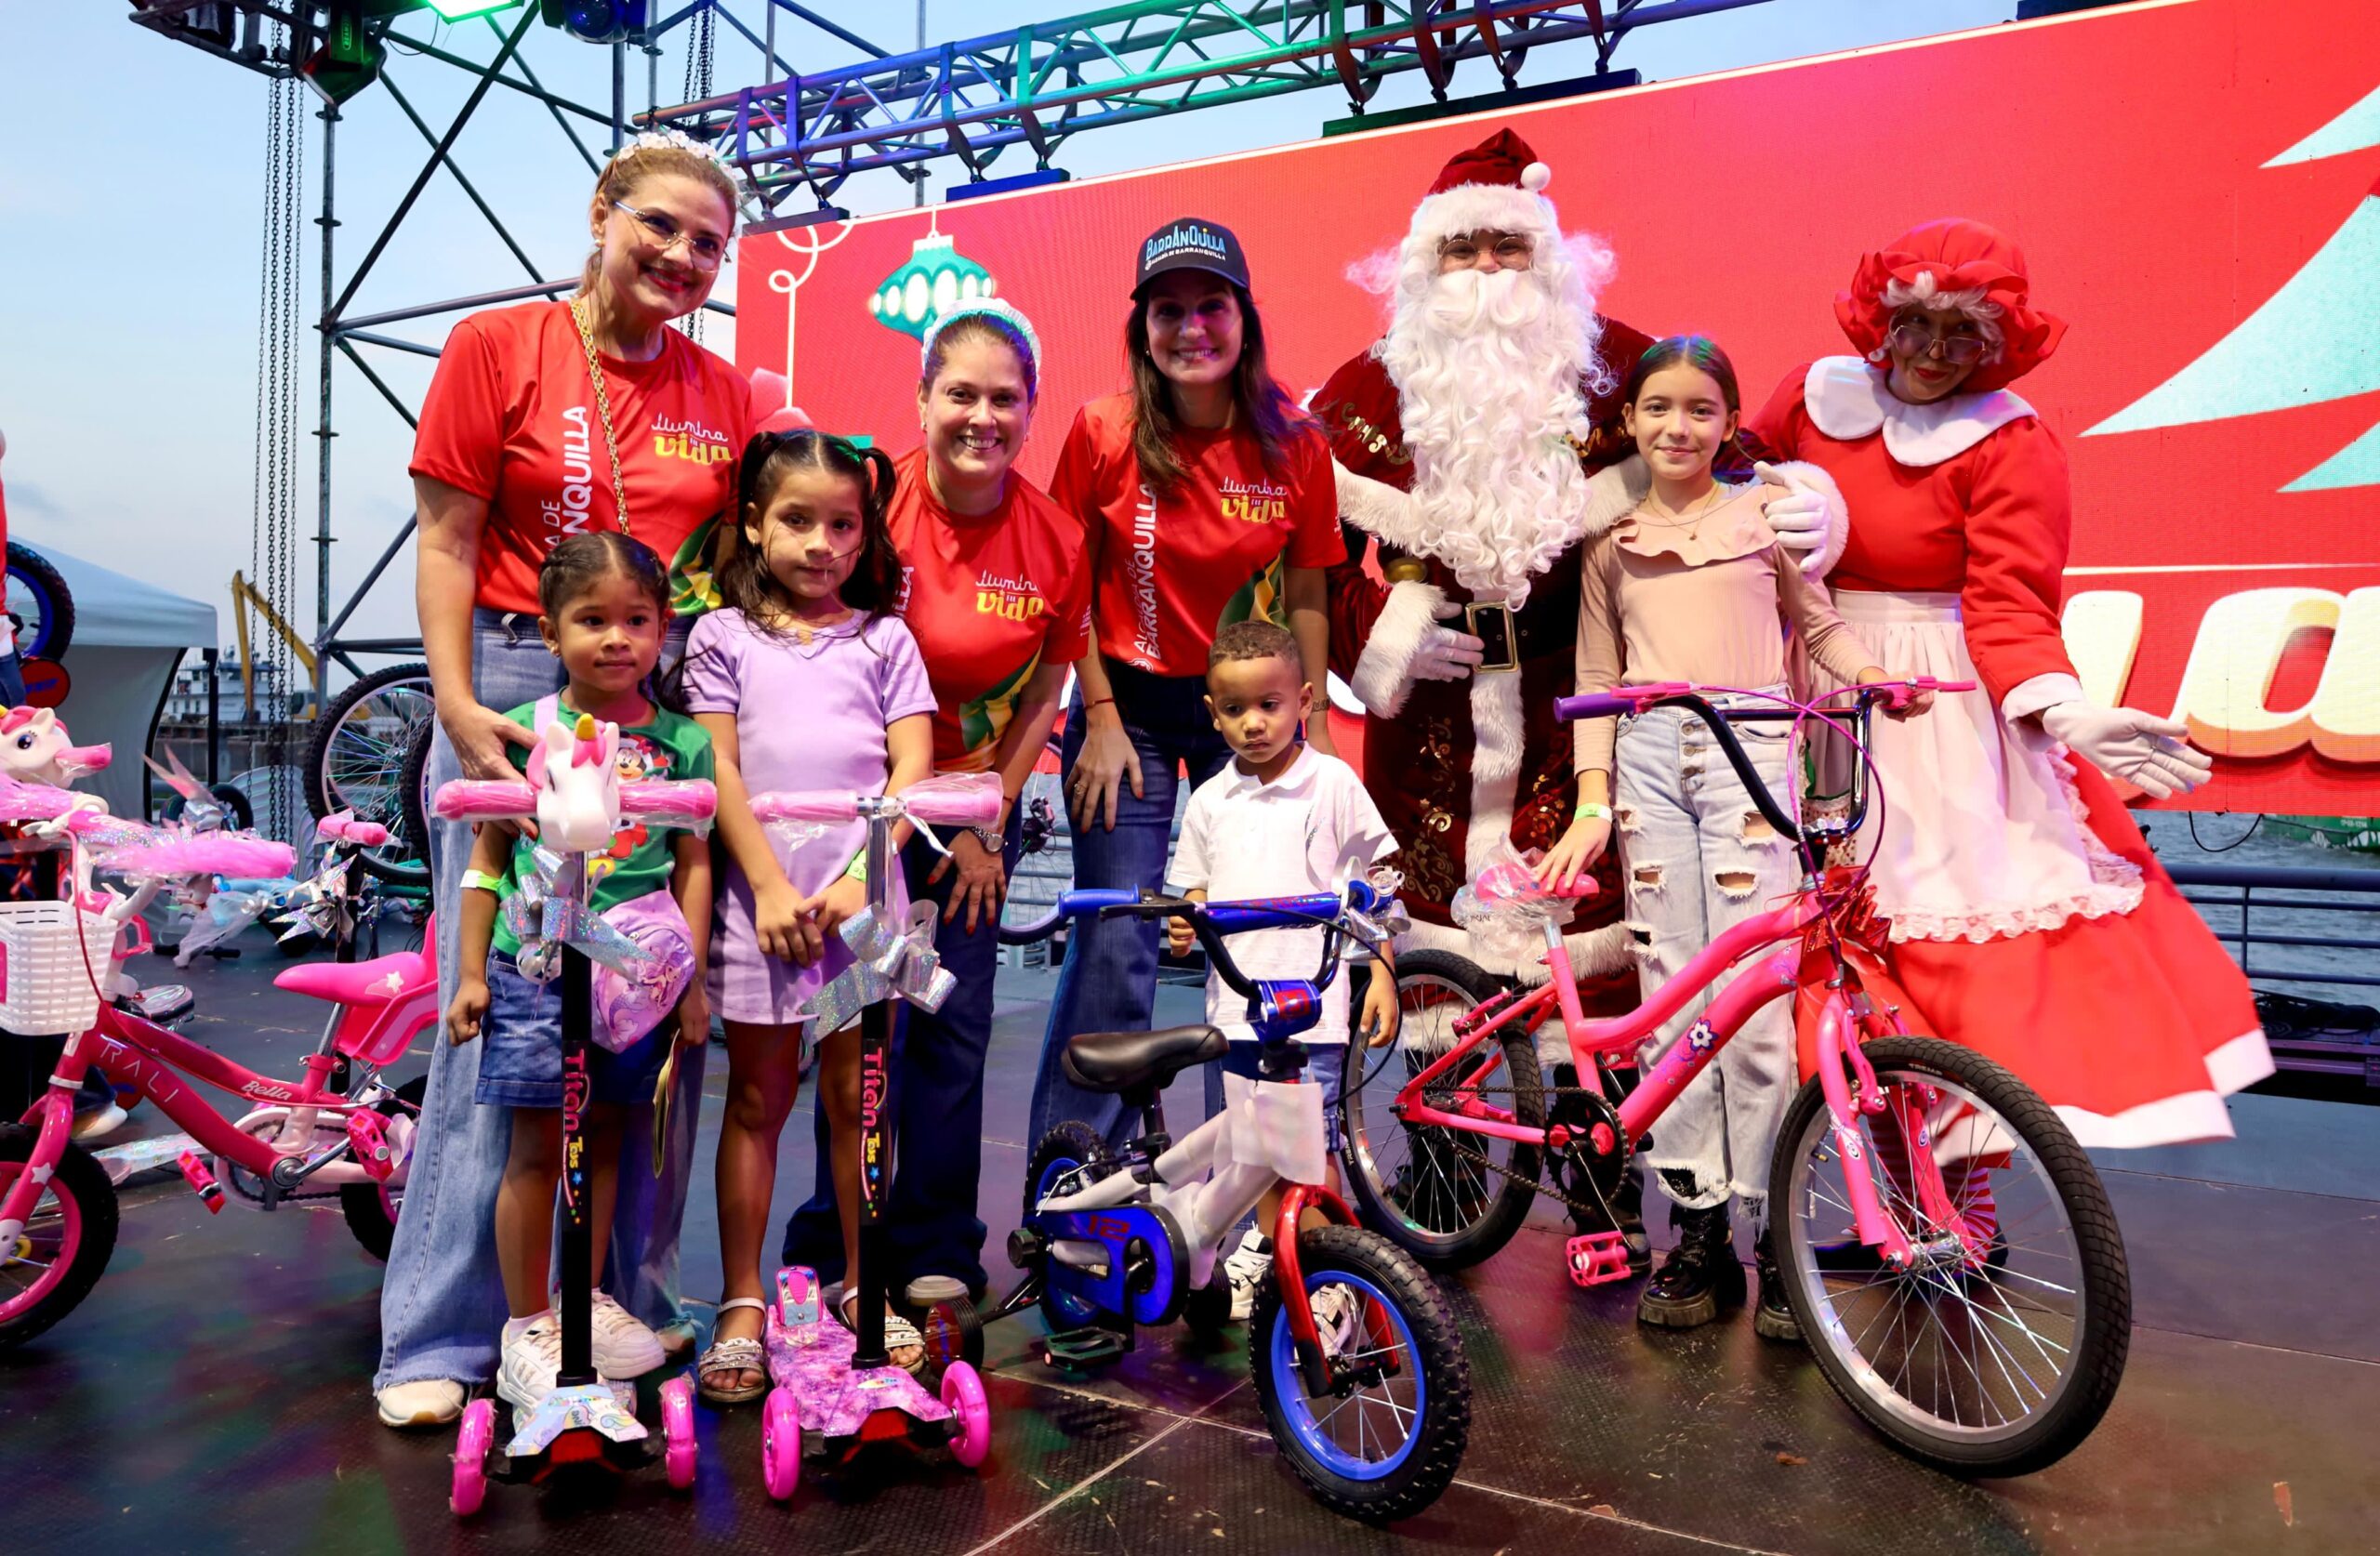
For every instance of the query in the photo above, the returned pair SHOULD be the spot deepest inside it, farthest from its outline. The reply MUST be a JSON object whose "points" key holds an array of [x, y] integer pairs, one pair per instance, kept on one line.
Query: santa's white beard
{"points": [[1487, 367]]}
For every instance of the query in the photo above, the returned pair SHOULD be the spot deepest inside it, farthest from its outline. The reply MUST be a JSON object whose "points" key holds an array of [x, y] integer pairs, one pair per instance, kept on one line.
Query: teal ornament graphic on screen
{"points": [[936, 279]]}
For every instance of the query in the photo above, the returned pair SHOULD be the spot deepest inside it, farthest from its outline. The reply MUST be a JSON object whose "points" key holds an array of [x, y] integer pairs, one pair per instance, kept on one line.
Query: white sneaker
{"points": [[1245, 1268], [1335, 1310], [621, 1345], [532, 1359], [431, 1401]]}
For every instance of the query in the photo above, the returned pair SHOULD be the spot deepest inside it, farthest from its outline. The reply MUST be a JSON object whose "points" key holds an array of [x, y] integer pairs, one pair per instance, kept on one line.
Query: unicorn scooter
{"points": [[572, 788], [835, 1388]]}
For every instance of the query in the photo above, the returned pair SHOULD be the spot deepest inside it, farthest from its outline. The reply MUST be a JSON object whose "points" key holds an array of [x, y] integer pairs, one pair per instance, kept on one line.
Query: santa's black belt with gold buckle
{"points": [[1498, 634]]}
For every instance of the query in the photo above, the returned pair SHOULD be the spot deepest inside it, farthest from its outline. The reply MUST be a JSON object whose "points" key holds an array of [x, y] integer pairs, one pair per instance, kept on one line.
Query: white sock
{"points": [[514, 1326]]}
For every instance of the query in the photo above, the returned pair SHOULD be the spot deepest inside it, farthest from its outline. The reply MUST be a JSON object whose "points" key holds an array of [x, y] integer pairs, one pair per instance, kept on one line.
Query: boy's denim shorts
{"points": [[1325, 1067], [521, 1048]]}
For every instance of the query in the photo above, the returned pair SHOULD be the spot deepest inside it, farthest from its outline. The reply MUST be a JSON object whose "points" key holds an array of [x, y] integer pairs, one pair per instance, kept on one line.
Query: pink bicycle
{"points": [[301, 1139], [1947, 1249]]}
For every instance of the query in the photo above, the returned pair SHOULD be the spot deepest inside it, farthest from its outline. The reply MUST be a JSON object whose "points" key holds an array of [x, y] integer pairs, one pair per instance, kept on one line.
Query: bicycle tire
{"points": [[413, 794], [87, 1216], [370, 1210], [1452, 1213], [1404, 1482], [51, 631], [1070, 1146], [1823, 1293], [356, 759]]}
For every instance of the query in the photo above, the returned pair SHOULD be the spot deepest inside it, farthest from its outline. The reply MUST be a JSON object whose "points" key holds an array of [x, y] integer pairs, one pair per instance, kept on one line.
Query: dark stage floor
{"points": [[211, 1395]]}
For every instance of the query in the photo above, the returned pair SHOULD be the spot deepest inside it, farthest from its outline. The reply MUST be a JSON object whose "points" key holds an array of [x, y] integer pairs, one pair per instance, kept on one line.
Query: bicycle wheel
{"points": [[38, 597], [413, 798], [1072, 1150], [1385, 1444], [371, 1209], [356, 762], [65, 1244], [1997, 1365], [1449, 1197]]}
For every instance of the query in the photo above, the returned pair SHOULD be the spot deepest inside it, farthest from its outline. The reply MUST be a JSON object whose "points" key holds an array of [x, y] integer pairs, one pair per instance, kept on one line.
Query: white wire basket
{"points": [[50, 975]]}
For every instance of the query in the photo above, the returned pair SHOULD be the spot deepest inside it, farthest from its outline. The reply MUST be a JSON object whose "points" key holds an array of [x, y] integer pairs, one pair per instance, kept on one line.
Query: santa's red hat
{"points": [[1495, 185], [1960, 257]]}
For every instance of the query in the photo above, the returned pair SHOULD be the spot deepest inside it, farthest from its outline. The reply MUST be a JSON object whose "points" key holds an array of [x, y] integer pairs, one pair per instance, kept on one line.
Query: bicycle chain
{"points": [[1542, 1182]]}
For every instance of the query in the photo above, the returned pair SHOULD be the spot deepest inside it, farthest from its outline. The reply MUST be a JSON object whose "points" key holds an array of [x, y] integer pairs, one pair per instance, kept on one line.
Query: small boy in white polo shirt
{"points": [[1283, 820]]}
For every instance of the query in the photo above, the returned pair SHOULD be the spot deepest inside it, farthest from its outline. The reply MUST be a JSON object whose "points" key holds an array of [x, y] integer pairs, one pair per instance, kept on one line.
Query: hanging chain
{"points": [[272, 569], [699, 55]]}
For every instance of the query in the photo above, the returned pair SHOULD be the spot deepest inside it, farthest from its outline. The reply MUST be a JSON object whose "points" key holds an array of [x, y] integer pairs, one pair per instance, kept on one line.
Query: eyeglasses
{"points": [[1912, 339], [1513, 251], [706, 252]]}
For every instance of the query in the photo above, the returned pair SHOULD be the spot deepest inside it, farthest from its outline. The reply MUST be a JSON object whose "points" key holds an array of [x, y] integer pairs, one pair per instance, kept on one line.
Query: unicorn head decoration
{"points": [[576, 773], [36, 749]]}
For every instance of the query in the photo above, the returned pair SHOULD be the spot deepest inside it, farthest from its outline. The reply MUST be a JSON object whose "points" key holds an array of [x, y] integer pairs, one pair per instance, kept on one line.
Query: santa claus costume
{"points": [[1470, 438], [2030, 920]]}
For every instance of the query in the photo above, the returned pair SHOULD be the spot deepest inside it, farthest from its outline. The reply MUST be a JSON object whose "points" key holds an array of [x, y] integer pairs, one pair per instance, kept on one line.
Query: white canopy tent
{"points": [[128, 639]]}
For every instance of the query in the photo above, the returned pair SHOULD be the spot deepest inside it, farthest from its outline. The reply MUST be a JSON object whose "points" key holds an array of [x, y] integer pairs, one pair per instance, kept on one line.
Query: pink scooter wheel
{"points": [[678, 1448], [470, 1458], [780, 1444], [962, 1396]]}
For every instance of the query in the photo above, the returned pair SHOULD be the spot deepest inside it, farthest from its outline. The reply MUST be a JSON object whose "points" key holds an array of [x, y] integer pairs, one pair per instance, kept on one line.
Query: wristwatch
{"points": [[994, 844]]}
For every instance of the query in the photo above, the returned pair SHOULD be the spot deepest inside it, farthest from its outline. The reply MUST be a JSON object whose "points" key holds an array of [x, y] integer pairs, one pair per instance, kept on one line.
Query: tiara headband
{"points": [[678, 140], [996, 308]]}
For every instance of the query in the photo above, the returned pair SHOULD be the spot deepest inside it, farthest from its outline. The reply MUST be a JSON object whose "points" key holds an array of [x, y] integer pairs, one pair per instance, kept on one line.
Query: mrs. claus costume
{"points": [[2028, 919], [1473, 473]]}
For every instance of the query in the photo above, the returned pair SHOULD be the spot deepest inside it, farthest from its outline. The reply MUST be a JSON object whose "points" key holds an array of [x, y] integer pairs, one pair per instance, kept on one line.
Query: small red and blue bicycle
{"points": [[1947, 1247]]}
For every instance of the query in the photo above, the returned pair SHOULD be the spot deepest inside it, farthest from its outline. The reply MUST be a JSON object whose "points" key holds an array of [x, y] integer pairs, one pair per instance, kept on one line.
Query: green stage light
{"points": [[463, 10], [348, 60]]}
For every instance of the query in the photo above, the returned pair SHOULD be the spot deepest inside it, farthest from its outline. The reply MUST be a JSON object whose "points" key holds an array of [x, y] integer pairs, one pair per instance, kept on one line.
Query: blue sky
{"points": [[133, 197]]}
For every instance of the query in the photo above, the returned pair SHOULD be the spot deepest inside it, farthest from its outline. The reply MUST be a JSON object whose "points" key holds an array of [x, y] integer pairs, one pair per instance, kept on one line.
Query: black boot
{"points": [[1698, 1277], [1772, 1318]]}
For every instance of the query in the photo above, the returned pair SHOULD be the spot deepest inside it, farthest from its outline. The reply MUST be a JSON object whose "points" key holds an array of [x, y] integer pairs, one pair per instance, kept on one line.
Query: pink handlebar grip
{"points": [[345, 827], [1618, 700], [484, 799], [948, 799], [685, 800]]}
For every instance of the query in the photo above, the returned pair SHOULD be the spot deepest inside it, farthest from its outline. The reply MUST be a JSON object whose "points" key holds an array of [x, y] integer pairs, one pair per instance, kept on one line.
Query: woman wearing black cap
{"points": [[1208, 498]]}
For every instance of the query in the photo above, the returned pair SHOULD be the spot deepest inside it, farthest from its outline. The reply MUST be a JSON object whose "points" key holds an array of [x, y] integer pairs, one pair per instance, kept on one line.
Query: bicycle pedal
{"points": [[1077, 1349], [1599, 1257]]}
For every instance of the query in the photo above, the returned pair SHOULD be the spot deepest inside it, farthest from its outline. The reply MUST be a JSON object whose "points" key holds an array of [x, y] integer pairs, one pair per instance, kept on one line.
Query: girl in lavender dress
{"points": [[806, 680]]}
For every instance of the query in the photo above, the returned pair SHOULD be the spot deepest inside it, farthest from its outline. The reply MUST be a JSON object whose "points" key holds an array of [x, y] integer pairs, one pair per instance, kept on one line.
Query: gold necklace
{"points": [[1693, 516]]}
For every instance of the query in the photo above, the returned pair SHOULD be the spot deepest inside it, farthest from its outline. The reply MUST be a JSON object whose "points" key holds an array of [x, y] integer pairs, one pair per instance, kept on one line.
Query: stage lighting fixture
{"points": [[348, 60], [599, 21]]}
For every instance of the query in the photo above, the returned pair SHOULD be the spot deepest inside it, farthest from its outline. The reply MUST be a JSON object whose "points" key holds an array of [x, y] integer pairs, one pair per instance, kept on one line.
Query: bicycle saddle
{"points": [[378, 982], [1115, 1061]]}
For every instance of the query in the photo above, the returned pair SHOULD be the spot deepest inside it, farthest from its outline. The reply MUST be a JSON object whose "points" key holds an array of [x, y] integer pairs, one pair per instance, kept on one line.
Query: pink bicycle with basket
{"points": [[301, 1139], [1947, 1250]]}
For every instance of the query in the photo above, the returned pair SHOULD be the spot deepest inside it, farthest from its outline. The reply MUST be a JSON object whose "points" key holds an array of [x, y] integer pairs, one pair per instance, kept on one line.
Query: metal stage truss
{"points": [[966, 102]]}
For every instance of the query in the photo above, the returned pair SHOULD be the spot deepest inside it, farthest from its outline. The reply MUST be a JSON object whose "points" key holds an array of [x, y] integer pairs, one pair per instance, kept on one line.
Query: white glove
{"points": [[1800, 517], [1445, 654], [2146, 751]]}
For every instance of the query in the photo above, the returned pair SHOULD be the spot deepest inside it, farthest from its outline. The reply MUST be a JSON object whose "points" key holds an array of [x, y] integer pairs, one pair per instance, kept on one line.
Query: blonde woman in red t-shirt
{"points": [[996, 593], [545, 420], [1208, 498]]}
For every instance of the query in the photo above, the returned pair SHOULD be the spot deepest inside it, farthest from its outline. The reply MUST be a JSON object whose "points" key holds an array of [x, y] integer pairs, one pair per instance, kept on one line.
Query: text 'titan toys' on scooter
{"points": [[573, 790], [836, 1390]]}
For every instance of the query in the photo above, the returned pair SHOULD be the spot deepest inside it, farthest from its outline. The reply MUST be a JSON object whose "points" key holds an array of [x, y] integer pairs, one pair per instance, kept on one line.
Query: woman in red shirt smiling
{"points": [[995, 591], [1208, 498], [544, 420]]}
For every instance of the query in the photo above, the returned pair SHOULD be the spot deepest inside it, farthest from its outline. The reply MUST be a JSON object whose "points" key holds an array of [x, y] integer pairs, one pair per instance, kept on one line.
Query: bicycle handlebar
{"points": [[1636, 699]]}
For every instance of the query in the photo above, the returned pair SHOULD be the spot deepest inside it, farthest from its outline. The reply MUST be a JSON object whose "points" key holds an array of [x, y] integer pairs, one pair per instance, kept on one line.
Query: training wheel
{"points": [[470, 1458], [962, 1396], [780, 1444], [678, 1449]]}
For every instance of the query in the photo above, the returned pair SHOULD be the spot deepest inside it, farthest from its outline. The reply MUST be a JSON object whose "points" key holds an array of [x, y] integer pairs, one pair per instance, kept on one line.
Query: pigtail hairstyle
{"points": [[742, 570]]}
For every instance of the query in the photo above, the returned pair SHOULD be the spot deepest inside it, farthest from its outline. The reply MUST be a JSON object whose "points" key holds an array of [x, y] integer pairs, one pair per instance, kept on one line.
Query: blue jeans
{"points": [[930, 1223], [442, 1303], [12, 680], [1109, 982]]}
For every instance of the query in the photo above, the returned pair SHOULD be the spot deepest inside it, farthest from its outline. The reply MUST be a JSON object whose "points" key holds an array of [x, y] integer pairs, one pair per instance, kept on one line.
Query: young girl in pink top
{"points": [[1691, 586]]}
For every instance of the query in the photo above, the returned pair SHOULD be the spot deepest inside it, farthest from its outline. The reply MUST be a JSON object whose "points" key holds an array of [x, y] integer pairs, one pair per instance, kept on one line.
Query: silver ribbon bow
{"points": [[890, 963], [546, 919], [318, 907]]}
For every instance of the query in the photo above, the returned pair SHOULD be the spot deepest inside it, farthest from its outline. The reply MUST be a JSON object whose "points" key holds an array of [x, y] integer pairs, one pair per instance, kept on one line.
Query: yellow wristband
{"points": [[857, 869], [479, 880], [1593, 811]]}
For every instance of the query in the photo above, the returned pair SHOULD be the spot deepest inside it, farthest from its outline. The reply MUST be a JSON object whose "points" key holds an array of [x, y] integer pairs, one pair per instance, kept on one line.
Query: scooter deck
{"points": [[836, 1400]]}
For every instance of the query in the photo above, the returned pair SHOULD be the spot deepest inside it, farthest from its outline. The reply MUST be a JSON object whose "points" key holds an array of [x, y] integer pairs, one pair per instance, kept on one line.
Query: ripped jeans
{"points": [[1698, 858]]}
